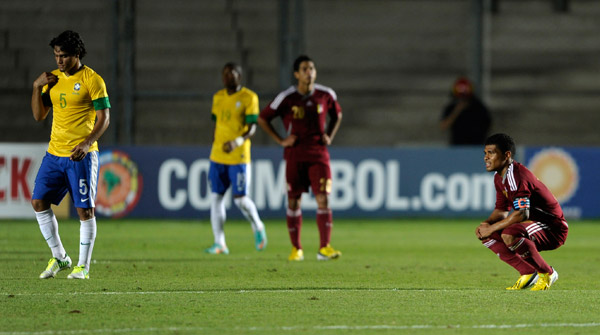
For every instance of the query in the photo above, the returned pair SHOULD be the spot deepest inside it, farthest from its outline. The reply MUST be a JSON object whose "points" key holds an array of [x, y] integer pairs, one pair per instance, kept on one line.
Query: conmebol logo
{"points": [[119, 185]]}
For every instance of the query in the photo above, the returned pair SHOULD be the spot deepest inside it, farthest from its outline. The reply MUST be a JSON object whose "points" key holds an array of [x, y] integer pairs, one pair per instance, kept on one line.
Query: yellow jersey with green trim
{"points": [[232, 113], [74, 101]]}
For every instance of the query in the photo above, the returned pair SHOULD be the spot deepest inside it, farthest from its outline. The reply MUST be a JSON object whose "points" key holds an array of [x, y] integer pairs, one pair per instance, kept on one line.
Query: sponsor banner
{"points": [[19, 163], [367, 182], [571, 174], [171, 182]]}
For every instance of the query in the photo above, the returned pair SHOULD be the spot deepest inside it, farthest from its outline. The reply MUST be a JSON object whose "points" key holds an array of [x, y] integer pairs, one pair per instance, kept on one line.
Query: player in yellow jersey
{"points": [[80, 106], [235, 111]]}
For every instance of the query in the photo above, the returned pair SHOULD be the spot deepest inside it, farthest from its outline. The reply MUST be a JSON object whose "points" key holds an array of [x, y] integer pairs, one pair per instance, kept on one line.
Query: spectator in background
{"points": [[234, 111], [81, 111], [304, 110], [466, 116]]}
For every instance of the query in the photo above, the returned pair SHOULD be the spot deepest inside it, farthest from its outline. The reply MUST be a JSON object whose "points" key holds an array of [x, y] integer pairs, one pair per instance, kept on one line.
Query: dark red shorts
{"points": [[545, 236], [301, 175]]}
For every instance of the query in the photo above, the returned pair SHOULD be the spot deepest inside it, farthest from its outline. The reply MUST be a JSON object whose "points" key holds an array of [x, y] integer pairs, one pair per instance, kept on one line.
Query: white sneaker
{"points": [[55, 266]]}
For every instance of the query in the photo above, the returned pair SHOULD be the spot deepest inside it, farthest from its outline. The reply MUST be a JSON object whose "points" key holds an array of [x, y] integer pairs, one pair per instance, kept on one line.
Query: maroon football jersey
{"points": [[519, 182], [306, 117]]}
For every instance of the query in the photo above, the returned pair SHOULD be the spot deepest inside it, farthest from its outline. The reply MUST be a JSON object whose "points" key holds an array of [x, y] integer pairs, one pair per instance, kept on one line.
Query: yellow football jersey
{"points": [[74, 100], [232, 114]]}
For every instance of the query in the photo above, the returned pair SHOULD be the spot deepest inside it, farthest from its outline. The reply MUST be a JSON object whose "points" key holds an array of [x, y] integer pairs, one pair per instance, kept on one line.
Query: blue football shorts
{"points": [[221, 176], [59, 175]]}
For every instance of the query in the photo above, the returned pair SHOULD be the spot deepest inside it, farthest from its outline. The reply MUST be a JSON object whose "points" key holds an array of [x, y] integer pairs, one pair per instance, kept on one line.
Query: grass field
{"points": [[395, 277]]}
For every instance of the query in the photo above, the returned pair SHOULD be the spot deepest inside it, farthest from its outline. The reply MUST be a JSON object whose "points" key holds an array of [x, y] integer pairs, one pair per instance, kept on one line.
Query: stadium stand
{"points": [[391, 63]]}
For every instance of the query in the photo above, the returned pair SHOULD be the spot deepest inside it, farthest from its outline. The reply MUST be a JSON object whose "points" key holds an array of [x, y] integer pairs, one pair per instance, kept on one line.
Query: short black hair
{"points": [[299, 60], [502, 141], [69, 42], [234, 66]]}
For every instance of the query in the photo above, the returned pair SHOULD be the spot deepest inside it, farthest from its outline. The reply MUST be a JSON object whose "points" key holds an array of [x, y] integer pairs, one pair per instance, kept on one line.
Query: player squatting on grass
{"points": [[537, 222]]}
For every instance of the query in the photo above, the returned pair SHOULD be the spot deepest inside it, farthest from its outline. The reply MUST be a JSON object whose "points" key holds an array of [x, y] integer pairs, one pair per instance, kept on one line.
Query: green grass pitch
{"points": [[423, 276]]}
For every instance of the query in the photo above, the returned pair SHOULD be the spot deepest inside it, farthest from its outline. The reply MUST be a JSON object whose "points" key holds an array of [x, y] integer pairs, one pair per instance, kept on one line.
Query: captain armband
{"points": [[521, 203]]}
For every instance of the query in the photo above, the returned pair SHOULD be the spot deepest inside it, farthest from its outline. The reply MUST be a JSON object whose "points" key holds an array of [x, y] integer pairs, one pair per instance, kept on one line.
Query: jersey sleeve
{"points": [[502, 202], [268, 113], [334, 109], [524, 184], [98, 93], [46, 100], [252, 109], [213, 110]]}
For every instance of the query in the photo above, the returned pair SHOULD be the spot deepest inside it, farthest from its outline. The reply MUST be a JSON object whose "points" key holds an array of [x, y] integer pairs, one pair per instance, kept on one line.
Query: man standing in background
{"points": [[304, 110], [234, 110], [79, 102], [466, 115]]}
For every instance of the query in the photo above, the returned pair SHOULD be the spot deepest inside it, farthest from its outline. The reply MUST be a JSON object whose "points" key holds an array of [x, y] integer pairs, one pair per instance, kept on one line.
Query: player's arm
{"points": [[238, 141], [332, 128], [486, 229], [449, 120], [39, 109], [268, 128], [102, 122]]}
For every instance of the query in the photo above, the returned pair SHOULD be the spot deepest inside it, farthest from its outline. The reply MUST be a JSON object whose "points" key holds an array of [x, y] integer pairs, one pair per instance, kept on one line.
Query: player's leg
{"points": [[528, 275], [83, 180], [297, 182], [218, 180], [516, 238], [240, 179], [320, 177], [50, 188], [528, 239]]}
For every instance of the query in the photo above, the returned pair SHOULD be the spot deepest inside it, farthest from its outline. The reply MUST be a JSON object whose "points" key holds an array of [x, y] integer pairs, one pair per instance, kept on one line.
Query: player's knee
{"points": [[40, 205], [293, 203], [85, 213], [239, 202], [322, 200], [508, 239]]}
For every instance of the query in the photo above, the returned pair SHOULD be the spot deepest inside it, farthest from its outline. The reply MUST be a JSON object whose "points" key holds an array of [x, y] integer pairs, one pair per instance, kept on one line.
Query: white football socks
{"points": [[87, 236], [49, 228], [217, 218], [248, 208]]}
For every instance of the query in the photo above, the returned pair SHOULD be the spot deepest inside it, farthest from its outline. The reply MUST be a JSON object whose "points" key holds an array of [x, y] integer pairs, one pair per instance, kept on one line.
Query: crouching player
{"points": [[536, 223]]}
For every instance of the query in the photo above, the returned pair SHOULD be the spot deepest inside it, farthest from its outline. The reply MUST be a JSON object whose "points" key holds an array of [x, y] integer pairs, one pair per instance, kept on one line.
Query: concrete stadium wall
{"points": [[391, 62]]}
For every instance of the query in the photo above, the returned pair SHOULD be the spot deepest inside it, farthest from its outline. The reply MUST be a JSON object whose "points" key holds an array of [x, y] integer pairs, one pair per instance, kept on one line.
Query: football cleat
{"points": [[553, 277], [55, 266], [296, 255], [543, 283], [524, 282], [79, 272], [260, 240], [217, 249], [546, 280], [327, 252]]}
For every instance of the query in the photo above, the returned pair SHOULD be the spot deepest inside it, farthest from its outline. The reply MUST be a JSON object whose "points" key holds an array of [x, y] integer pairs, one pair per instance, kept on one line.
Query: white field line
{"points": [[293, 328], [248, 291]]}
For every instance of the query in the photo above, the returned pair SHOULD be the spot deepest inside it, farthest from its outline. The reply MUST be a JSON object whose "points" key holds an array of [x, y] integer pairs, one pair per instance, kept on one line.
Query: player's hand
{"points": [[78, 153], [484, 231], [326, 140], [229, 146], [44, 79], [289, 141]]}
